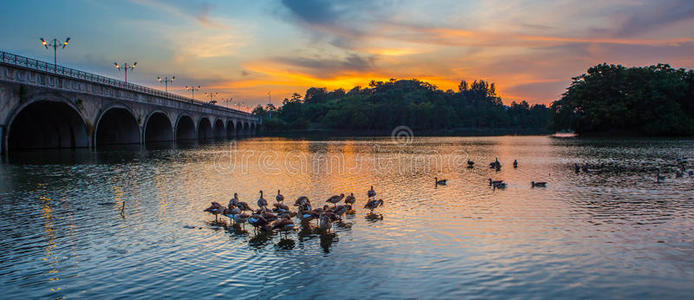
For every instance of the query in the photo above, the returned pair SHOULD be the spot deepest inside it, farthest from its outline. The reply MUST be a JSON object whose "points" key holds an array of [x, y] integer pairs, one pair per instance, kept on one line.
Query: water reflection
{"points": [[612, 229]]}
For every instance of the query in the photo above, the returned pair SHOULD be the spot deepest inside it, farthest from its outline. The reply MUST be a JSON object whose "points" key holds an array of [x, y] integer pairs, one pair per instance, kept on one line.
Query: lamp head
{"points": [[116, 65]]}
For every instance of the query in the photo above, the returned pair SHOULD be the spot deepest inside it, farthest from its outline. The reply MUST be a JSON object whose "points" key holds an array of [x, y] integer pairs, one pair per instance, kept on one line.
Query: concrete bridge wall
{"points": [[47, 106]]}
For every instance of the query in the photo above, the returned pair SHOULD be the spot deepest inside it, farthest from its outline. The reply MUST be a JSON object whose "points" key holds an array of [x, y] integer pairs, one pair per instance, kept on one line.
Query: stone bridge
{"points": [[44, 106]]}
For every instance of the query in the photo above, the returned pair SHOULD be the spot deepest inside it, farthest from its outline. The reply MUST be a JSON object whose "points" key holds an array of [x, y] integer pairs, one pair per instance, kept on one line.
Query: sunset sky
{"points": [[243, 49]]}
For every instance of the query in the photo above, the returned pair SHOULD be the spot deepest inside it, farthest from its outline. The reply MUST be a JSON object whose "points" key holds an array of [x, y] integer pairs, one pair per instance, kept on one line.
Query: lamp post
{"points": [[193, 89], [55, 45], [125, 68], [166, 81], [211, 95]]}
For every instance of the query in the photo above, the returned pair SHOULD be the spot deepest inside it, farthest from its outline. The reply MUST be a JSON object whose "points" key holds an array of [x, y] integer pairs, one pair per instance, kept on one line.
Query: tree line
{"points": [[655, 101], [384, 105]]}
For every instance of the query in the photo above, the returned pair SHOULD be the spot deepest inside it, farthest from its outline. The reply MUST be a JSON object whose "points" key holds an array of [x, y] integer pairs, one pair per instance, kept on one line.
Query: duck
{"points": [[371, 192], [261, 201], [577, 168], [495, 182], [373, 204], [340, 210], [440, 182], [280, 208], [279, 197], [470, 164], [538, 184], [501, 185], [336, 199], [350, 199], [515, 164]]}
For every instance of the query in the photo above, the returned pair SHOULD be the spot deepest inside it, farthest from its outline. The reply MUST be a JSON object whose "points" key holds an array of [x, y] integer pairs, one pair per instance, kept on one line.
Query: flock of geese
{"points": [[279, 217]]}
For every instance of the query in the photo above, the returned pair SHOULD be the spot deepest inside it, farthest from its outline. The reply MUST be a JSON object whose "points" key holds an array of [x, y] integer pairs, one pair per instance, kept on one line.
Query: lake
{"points": [[610, 233]]}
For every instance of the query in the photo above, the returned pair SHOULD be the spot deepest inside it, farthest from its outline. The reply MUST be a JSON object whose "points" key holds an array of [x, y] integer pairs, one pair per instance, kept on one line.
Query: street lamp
{"points": [[193, 89], [55, 45], [211, 95], [125, 68], [166, 81]]}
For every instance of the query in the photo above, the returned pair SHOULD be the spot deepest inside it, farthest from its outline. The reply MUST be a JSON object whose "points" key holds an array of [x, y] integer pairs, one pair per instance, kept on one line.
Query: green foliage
{"points": [[418, 104], [654, 100]]}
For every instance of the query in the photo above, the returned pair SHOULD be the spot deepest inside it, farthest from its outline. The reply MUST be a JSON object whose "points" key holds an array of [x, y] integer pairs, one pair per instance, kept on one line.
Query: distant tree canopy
{"points": [[654, 100], [417, 104]]}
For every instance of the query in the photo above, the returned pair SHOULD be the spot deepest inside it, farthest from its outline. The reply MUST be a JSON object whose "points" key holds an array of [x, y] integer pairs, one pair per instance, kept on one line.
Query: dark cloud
{"points": [[328, 67], [655, 15]]}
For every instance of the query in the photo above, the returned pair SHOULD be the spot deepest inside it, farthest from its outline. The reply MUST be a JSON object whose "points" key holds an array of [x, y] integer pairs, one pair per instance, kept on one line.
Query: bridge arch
{"points": [[185, 128], [46, 122], [205, 129], [231, 129], [219, 131], [117, 125], [158, 128]]}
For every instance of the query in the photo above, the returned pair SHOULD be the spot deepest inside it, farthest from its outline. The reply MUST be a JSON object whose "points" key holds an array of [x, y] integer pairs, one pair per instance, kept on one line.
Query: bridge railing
{"points": [[37, 65]]}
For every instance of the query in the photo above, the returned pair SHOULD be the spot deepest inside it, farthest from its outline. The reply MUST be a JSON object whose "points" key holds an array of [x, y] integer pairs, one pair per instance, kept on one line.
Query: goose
{"points": [[279, 197], [234, 201], [336, 199], [470, 164], [577, 168], [372, 193], [241, 219], [350, 199], [257, 221], [325, 223], [215, 209], [243, 206], [261, 201], [340, 210], [283, 225], [301, 201], [440, 182], [280, 208], [538, 184], [515, 164], [373, 204]]}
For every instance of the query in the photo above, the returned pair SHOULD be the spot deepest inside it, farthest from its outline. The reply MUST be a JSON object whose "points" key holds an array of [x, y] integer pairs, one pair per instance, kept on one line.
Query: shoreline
{"points": [[382, 133]]}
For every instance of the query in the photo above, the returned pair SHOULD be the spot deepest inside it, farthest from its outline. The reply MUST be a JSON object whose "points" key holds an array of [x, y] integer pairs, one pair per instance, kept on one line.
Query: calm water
{"points": [[611, 233]]}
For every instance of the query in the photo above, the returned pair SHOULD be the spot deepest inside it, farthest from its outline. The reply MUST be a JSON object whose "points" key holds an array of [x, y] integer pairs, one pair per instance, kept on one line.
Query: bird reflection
{"points": [[326, 240], [286, 244]]}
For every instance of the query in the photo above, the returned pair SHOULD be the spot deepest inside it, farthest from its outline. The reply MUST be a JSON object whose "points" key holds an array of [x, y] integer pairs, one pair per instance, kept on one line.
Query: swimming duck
{"points": [[440, 182], [515, 164], [495, 182], [538, 184], [470, 164]]}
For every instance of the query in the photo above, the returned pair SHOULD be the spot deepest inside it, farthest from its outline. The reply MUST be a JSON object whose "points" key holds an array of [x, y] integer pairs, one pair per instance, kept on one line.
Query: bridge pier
{"points": [[2, 140]]}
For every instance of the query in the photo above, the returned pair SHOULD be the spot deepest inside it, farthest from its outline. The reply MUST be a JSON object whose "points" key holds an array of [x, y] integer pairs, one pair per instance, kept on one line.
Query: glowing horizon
{"points": [[528, 48]]}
